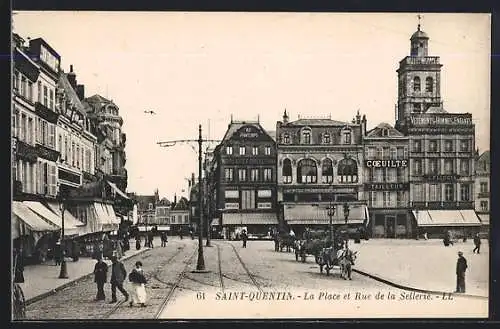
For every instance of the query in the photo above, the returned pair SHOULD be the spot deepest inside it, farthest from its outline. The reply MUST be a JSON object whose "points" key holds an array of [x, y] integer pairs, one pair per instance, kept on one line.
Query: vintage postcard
{"points": [[196, 165]]}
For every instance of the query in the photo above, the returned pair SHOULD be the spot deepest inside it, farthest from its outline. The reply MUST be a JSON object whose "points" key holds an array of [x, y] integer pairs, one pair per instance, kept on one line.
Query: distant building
{"points": [[483, 189], [386, 184]]}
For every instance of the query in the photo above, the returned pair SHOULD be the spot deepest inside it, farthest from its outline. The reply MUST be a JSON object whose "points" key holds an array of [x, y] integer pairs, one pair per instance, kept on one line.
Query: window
{"points": [[417, 166], [347, 137], [434, 192], [78, 156], [255, 150], [51, 135], [30, 91], [416, 84], [268, 174], [433, 166], [448, 145], [65, 148], [307, 171], [39, 91], [254, 174], [267, 150], [242, 175], [483, 187], [378, 174], [371, 152], [306, 137], [380, 153], [51, 101], [417, 108], [389, 199], [448, 166], [394, 153], [23, 86], [385, 132], [16, 80], [348, 171], [449, 192], [287, 171], [418, 192], [326, 138], [373, 198], [464, 167], [464, 192], [247, 199], [401, 199], [391, 175], [14, 125], [417, 146], [401, 173], [433, 146], [464, 145], [242, 150], [327, 171], [228, 174], [286, 139], [400, 153], [23, 127], [229, 150], [429, 84], [45, 96], [484, 205]]}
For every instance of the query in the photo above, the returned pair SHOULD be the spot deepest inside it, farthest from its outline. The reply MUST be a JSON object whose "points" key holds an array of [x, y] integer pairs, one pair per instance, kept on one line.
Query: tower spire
{"points": [[419, 18]]}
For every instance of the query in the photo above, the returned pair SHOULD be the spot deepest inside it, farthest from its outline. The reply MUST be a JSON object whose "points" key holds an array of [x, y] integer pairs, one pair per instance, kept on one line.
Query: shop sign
{"points": [[387, 186], [386, 163], [441, 120], [249, 132], [442, 178]]}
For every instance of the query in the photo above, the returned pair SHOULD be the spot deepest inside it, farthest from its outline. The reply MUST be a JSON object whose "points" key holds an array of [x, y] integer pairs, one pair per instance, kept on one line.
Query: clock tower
{"points": [[419, 79]]}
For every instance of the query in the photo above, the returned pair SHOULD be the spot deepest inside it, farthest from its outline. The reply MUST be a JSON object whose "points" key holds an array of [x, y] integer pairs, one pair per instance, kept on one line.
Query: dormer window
{"points": [[385, 132], [416, 84], [306, 136], [229, 150], [286, 139], [346, 136]]}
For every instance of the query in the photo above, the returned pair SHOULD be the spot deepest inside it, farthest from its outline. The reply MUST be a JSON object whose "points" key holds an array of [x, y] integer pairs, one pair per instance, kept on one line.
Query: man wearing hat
{"points": [[118, 275], [461, 267]]}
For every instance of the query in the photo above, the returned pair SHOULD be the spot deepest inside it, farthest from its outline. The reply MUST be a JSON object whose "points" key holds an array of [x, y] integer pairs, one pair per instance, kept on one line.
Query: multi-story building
{"points": [[386, 184], [441, 146], [319, 164], [482, 189], [245, 179]]}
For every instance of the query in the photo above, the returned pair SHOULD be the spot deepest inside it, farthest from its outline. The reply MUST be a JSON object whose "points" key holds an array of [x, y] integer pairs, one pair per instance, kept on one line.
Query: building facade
{"points": [[386, 186], [320, 163], [482, 189], [441, 146], [245, 179]]}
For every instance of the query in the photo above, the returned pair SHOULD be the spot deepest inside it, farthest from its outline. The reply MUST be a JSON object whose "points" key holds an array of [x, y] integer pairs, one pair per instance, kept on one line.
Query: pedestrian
{"points": [[477, 243], [100, 277], [118, 275], [18, 265], [138, 280], [164, 239], [180, 233], [461, 267], [75, 250], [58, 252], [244, 237], [137, 242]]}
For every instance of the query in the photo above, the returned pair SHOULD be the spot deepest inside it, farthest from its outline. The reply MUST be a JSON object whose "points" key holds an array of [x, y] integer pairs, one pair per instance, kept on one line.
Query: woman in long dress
{"points": [[138, 280]]}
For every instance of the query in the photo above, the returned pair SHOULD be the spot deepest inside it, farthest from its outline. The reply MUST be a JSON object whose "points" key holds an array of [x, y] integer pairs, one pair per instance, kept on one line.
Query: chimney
{"points": [[192, 179], [72, 77], [80, 92]]}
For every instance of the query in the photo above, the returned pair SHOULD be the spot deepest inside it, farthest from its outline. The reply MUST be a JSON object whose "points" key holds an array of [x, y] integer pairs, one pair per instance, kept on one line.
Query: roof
{"points": [[419, 34], [377, 131], [317, 122], [183, 204], [485, 156], [71, 95], [235, 126], [272, 133], [143, 201]]}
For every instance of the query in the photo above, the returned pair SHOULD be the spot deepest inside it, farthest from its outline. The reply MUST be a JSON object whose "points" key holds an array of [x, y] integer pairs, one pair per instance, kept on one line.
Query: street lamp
{"points": [[346, 215], [63, 274], [200, 265], [331, 212]]}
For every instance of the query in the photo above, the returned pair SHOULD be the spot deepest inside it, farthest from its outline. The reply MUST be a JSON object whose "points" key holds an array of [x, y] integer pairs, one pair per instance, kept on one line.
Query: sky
{"points": [[201, 68]]}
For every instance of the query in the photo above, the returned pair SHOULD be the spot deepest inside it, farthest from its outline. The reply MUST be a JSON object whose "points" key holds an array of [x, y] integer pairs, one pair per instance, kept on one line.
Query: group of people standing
{"points": [[117, 279]]}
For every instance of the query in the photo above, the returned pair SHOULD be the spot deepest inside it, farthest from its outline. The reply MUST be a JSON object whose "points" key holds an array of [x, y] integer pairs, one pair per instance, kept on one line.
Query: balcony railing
{"points": [[450, 205], [412, 60]]}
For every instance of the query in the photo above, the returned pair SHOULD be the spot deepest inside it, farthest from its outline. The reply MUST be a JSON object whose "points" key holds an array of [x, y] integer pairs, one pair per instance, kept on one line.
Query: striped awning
{"points": [[316, 214], [215, 222], [117, 190], [485, 219], [23, 218], [70, 224], [249, 219], [457, 217]]}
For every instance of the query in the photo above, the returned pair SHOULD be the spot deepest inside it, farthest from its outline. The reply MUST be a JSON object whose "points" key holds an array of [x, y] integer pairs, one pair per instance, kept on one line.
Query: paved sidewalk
{"points": [[424, 264], [43, 278]]}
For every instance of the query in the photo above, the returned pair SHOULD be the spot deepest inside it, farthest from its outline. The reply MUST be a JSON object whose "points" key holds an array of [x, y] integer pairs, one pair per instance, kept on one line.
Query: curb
{"points": [[72, 282], [396, 285]]}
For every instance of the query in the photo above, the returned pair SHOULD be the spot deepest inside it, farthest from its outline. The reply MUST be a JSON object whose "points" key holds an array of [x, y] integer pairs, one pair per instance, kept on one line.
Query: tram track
{"points": [[250, 275]]}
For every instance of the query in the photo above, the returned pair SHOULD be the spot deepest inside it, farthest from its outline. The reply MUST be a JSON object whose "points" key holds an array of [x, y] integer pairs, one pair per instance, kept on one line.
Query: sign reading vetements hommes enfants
{"points": [[441, 120]]}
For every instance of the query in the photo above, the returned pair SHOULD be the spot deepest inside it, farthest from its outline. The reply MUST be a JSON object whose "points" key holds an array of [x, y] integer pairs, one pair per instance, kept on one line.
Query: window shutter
{"points": [[52, 135], [52, 179]]}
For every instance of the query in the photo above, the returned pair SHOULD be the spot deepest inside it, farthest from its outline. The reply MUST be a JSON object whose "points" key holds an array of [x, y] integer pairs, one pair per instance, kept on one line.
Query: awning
{"points": [[70, 227], [68, 217], [249, 219], [23, 218], [446, 218], [315, 214], [117, 190], [215, 222], [485, 219], [112, 215]]}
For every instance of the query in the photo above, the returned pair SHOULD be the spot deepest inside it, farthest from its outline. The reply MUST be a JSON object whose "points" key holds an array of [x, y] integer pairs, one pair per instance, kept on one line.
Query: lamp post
{"points": [[63, 274], [331, 212], [200, 265], [346, 215], [207, 205]]}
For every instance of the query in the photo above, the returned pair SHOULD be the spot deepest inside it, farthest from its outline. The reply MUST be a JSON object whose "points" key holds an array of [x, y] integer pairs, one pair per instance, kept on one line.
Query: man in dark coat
{"points": [[461, 267], [75, 250], [244, 237], [477, 243], [100, 277], [118, 275]]}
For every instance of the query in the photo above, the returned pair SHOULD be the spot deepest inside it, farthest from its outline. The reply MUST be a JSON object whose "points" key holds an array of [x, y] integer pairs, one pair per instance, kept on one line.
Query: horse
{"points": [[287, 242], [326, 258], [346, 259]]}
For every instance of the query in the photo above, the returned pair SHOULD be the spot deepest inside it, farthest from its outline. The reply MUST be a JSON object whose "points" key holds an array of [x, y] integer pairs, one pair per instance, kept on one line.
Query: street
{"points": [[252, 282]]}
